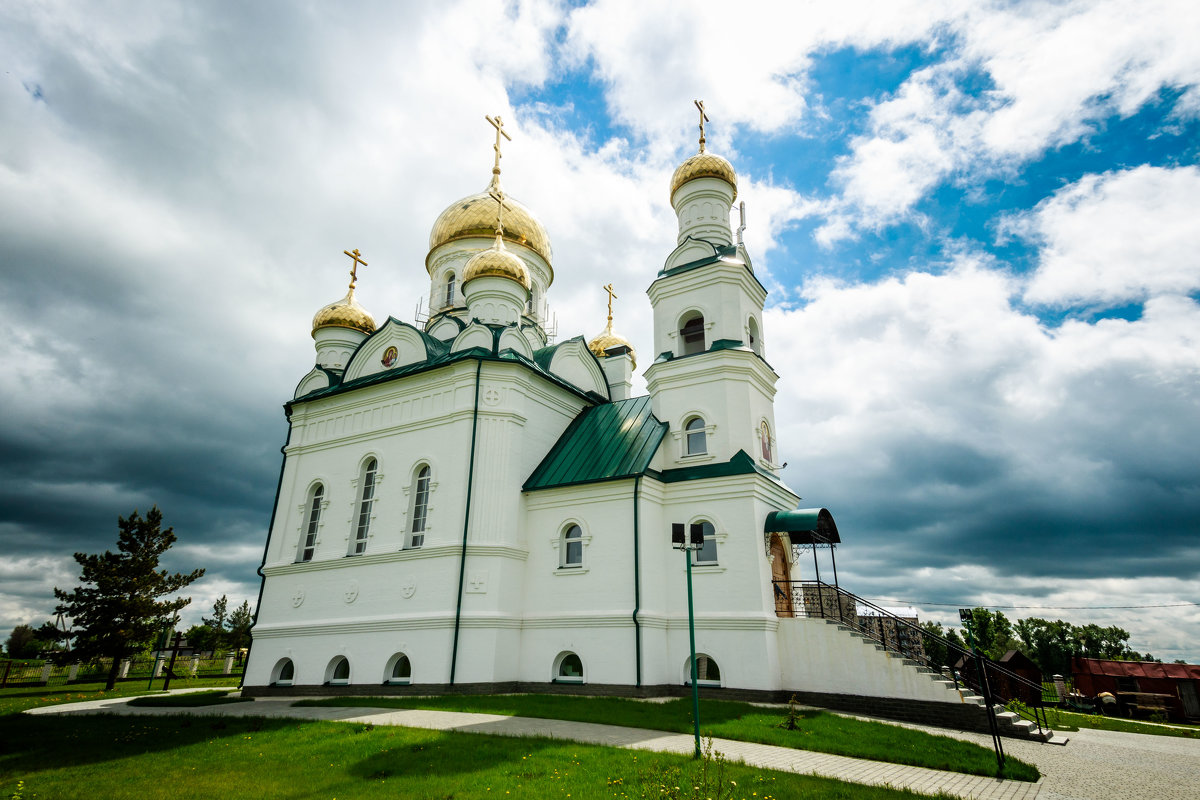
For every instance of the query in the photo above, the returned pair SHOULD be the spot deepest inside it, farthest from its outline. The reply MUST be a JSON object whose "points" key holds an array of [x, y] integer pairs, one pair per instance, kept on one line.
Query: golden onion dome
{"points": [[474, 216], [704, 165], [345, 313], [607, 340], [497, 261]]}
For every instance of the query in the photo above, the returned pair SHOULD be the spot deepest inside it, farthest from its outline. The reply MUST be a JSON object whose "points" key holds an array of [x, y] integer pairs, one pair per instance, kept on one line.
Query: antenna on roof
{"points": [[742, 226]]}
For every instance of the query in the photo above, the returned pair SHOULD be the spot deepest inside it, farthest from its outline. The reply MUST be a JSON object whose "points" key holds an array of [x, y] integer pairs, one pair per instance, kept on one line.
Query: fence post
{"points": [[158, 667], [1060, 686], [195, 665], [228, 665], [7, 668], [74, 673], [124, 668], [47, 668]]}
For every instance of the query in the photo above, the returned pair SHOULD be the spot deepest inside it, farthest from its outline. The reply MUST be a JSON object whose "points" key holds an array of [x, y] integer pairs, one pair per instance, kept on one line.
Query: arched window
{"points": [[338, 672], [571, 551], [752, 332], [365, 503], [764, 438], [697, 439], [283, 673], [420, 507], [569, 669], [691, 335], [308, 543], [449, 289], [708, 553], [707, 671], [401, 671]]}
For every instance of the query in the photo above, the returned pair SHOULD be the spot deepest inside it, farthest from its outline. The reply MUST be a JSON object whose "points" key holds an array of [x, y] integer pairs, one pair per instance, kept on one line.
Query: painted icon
{"points": [[389, 356]]}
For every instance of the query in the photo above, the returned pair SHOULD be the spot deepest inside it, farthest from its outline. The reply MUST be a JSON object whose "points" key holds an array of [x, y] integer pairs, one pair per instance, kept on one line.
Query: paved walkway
{"points": [[855, 770]]}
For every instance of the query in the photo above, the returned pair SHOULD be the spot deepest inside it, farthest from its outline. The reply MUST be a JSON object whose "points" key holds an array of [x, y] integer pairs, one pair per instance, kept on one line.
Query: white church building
{"points": [[465, 505]]}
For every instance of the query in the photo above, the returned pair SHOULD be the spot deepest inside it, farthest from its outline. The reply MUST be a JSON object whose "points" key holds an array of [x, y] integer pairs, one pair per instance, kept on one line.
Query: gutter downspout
{"points": [[637, 580], [262, 584], [462, 564]]}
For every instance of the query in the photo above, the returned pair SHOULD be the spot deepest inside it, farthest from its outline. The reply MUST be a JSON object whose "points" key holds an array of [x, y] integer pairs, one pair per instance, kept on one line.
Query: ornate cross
{"points": [[611, 296], [703, 119], [498, 196], [357, 256], [498, 124]]}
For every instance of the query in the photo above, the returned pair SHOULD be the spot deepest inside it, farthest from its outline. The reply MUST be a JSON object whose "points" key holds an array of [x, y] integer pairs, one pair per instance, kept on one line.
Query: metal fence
{"points": [[47, 673]]}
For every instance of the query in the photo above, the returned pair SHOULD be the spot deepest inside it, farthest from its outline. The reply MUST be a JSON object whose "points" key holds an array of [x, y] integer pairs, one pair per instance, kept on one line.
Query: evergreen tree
{"points": [[217, 624], [239, 626], [115, 609]]}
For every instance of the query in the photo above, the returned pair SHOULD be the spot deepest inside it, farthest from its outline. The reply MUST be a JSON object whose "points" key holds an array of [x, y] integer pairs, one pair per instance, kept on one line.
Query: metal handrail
{"points": [[1035, 713]]}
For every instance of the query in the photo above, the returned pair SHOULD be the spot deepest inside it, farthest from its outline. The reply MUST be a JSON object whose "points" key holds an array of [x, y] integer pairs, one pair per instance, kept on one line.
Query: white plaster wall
{"points": [[816, 656]]}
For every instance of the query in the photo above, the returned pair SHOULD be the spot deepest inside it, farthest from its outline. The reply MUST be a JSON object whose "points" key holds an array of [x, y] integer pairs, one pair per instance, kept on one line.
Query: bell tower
{"points": [[710, 381]]}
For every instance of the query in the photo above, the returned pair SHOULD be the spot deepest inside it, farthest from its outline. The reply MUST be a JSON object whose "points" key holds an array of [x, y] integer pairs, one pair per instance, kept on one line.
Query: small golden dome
{"points": [[607, 340], [345, 313], [475, 217], [704, 165], [497, 261]]}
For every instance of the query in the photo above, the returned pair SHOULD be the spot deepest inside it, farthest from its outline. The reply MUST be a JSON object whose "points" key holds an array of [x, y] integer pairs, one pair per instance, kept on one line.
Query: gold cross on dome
{"points": [[357, 256], [611, 296], [498, 196], [498, 124], [703, 119]]}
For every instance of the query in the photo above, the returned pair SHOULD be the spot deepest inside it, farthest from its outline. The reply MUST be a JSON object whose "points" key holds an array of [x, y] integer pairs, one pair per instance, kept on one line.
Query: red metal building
{"points": [[1142, 684]]}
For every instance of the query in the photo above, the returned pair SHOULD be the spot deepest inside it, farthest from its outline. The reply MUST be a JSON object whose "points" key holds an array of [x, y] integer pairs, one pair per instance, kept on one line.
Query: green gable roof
{"points": [[612, 440]]}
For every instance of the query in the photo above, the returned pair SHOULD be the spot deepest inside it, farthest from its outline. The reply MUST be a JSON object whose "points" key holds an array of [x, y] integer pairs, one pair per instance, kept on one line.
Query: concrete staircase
{"points": [[1009, 723]]}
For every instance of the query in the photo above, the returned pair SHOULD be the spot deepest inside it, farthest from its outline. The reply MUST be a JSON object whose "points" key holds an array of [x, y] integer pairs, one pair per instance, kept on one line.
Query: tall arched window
{"points": [[764, 438], [571, 551], [708, 553], [697, 439], [365, 503], [308, 543], [752, 332], [449, 289], [691, 335], [420, 507]]}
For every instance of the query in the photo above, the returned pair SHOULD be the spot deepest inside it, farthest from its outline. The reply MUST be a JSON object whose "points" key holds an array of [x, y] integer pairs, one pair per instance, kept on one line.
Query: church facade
{"points": [[464, 503]]}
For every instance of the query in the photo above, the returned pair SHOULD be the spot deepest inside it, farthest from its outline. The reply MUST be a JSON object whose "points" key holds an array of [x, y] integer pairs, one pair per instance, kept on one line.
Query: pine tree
{"points": [[239, 626], [115, 609], [217, 623]]}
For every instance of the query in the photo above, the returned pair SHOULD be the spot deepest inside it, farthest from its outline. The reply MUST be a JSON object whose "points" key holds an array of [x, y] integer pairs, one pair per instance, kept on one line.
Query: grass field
{"points": [[817, 730], [1070, 721], [186, 757]]}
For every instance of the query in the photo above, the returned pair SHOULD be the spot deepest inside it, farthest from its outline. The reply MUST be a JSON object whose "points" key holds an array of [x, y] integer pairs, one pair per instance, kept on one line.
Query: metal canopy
{"points": [[804, 526]]}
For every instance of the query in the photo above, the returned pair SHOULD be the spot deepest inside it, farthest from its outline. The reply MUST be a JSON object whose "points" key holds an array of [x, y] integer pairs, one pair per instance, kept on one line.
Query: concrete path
{"points": [[855, 770], [1100, 765]]}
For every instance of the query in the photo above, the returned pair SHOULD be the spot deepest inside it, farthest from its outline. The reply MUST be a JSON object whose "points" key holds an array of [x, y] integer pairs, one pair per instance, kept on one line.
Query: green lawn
{"points": [[1071, 721], [101, 756], [13, 701], [817, 730]]}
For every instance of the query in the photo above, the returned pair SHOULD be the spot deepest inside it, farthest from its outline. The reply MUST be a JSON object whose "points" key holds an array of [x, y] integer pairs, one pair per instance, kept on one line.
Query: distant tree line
{"points": [[1048, 644], [225, 630]]}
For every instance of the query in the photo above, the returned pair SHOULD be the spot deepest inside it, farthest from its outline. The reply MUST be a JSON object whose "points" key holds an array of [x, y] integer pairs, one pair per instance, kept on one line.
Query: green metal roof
{"points": [[804, 525], [608, 441]]}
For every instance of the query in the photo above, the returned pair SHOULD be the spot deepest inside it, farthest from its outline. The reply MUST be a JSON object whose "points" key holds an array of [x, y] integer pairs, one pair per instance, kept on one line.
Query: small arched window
{"points": [[420, 507], [283, 673], [691, 335], [572, 548], [366, 501], [338, 672], [401, 671], [764, 439], [707, 554], [707, 671], [752, 333], [449, 289], [570, 669], [308, 543], [697, 438]]}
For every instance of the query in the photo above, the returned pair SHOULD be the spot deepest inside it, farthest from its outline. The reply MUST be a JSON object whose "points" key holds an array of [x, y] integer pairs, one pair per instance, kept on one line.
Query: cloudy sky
{"points": [[979, 224]]}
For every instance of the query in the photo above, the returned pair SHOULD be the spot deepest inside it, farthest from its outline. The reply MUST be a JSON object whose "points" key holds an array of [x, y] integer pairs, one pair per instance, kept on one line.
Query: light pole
{"points": [[694, 541]]}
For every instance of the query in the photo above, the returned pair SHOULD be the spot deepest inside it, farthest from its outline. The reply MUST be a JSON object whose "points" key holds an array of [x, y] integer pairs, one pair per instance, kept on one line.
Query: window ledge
{"points": [[704, 568], [697, 457], [571, 571]]}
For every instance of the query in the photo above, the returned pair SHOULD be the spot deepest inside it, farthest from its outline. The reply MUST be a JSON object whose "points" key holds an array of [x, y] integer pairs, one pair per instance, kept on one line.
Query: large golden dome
{"points": [[345, 313], [704, 165], [474, 216], [497, 261]]}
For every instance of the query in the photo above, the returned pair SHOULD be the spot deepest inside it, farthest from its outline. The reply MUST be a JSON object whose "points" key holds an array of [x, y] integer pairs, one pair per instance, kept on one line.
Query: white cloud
{"points": [[1117, 237]]}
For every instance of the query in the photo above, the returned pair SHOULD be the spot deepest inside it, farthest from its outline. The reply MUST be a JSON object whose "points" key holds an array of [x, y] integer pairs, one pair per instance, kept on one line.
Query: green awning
{"points": [[804, 526]]}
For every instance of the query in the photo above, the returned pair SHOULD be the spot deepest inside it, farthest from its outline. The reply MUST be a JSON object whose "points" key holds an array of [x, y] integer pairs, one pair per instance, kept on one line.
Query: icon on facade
{"points": [[389, 357]]}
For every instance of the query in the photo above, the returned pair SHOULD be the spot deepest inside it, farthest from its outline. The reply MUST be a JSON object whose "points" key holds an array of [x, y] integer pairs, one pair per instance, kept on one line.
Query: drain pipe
{"points": [[266, 548], [462, 564], [637, 581]]}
